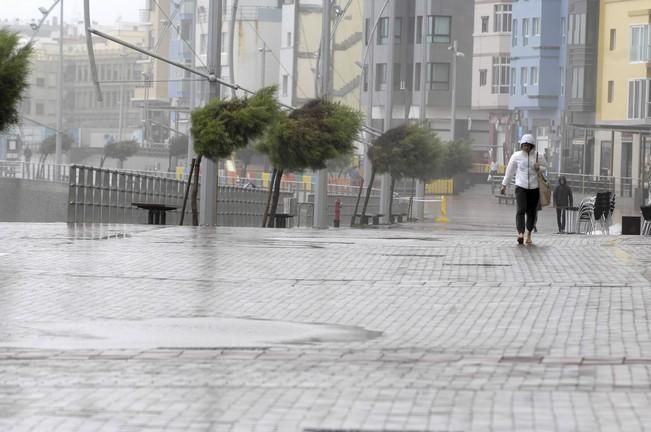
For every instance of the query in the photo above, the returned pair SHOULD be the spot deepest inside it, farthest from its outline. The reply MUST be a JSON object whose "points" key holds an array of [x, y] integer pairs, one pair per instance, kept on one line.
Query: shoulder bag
{"points": [[545, 189]]}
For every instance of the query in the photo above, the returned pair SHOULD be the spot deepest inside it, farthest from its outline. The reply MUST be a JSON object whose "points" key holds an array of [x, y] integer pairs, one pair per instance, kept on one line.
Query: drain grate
{"points": [[413, 255], [378, 430]]}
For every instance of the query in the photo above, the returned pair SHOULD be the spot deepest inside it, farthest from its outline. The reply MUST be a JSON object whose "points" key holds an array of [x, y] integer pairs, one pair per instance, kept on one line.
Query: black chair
{"points": [[602, 205]]}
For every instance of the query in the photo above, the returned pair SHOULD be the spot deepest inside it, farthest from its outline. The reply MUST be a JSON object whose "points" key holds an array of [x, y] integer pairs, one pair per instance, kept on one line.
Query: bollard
{"points": [[337, 213], [444, 211]]}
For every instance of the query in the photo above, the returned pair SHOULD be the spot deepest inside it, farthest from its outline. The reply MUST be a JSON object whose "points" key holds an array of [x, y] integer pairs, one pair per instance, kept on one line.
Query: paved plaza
{"points": [[416, 327]]}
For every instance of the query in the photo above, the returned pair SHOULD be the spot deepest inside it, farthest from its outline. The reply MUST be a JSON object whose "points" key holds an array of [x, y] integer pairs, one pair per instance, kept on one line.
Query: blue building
{"points": [[536, 71]]}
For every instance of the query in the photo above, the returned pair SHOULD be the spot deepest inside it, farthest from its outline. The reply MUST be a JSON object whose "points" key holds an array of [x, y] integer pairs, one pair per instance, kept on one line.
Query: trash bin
{"points": [[631, 225]]}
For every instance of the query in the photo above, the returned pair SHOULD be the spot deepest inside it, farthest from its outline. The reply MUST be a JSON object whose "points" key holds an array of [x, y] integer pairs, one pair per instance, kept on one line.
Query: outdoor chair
{"points": [[601, 211], [586, 215], [646, 215]]}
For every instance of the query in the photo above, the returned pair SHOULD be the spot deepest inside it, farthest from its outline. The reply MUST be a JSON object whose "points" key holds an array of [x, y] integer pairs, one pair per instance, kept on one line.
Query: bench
{"points": [[506, 199], [397, 218], [280, 220], [363, 220], [156, 212]]}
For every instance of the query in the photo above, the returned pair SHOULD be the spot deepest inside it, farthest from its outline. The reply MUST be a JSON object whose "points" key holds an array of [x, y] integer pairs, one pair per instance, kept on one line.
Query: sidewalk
{"points": [[412, 328]]}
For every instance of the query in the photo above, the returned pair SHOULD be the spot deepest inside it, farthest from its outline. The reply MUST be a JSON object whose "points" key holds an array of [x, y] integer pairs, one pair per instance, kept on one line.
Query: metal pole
{"points": [[208, 189], [59, 136], [123, 77], [264, 58], [193, 41], [321, 197], [453, 106]]}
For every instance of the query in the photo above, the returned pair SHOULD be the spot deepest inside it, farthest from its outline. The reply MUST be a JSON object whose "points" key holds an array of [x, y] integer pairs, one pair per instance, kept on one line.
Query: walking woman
{"points": [[524, 166]]}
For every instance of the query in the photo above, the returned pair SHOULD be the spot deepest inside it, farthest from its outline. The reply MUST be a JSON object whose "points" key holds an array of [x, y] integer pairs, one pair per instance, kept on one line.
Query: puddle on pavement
{"points": [[189, 333]]}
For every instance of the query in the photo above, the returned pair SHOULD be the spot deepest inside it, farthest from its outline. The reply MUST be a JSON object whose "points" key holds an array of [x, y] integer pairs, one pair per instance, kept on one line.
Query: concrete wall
{"points": [[32, 201]]}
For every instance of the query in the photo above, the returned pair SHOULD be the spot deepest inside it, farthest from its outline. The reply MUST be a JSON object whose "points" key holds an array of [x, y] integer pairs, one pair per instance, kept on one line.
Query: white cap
{"points": [[527, 139]]}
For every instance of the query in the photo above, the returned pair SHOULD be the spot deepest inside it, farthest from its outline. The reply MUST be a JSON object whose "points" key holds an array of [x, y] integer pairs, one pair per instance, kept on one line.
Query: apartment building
{"points": [[622, 144], [491, 78]]}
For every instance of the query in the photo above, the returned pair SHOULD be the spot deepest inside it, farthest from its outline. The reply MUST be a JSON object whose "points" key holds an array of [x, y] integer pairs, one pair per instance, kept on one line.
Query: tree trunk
{"points": [[195, 190], [393, 184], [274, 204], [359, 195], [368, 192], [271, 190], [187, 190]]}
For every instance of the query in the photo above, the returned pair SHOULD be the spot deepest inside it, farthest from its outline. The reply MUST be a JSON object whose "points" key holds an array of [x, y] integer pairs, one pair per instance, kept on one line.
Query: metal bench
{"points": [[156, 212]]}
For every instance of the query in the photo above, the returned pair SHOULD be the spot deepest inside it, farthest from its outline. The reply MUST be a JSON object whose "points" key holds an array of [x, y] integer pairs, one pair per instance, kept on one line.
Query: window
{"points": [[577, 82], [438, 76], [410, 30], [638, 99], [639, 51], [525, 31], [396, 77], [482, 77], [40, 108], [611, 91], [484, 24], [563, 31], [523, 80], [419, 29], [40, 82], [613, 39], [417, 77], [535, 27], [285, 85], [409, 77], [533, 76], [224, 40], [380, 76], [502, 18], [576, 29], [500, 80], [514, 33], [562, 81], [365, 78], [367, 29], [512, 81], [383, 31], [438, 29], [397, 31], [289, 39]]}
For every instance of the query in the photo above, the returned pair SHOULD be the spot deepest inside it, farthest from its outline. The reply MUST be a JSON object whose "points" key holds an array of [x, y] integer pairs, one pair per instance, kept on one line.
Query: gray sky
{"points": [[102, 11]]}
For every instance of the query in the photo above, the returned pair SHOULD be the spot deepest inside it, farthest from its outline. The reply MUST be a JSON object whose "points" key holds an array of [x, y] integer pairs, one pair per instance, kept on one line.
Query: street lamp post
{"points": [[264, 50], [59, 137], [453, 107]]}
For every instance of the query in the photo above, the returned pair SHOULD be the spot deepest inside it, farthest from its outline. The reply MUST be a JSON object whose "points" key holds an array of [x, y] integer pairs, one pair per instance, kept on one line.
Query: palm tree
{"points": [[14, 69]]}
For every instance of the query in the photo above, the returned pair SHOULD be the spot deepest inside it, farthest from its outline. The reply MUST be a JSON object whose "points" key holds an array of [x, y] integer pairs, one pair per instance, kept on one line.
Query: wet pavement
{"points": [[417, 327]]}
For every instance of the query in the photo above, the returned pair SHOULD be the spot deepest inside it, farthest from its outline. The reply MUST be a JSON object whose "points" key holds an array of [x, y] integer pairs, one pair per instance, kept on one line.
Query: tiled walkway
{"points": [[132, 328]]}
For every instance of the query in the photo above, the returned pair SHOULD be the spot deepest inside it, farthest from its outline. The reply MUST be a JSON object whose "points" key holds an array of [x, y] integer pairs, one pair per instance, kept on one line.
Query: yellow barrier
{"points": [[440, 187], [444, 211]]}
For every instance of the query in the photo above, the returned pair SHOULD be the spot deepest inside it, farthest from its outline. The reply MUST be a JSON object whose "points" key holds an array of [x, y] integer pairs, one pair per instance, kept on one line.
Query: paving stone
{"points": [[473, 332]]}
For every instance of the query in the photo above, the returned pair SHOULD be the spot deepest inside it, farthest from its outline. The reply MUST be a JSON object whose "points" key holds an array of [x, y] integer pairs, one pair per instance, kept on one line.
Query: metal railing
{"points": [[34, 171]]}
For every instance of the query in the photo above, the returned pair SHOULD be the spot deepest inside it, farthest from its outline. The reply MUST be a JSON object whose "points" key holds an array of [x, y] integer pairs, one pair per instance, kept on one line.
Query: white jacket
{"points": [[521, 165]]}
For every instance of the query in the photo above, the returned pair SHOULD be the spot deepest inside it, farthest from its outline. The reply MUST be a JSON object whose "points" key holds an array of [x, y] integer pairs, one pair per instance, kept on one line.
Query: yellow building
{"points": [[622, 145]]}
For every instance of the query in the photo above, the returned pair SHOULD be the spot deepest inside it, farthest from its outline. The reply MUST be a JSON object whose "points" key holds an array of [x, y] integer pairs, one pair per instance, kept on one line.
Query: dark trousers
{"points": [[527, 203], [560, 219]]}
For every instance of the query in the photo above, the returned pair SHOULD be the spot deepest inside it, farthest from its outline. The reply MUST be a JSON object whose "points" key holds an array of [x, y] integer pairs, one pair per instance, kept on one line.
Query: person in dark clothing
{"points": [[562, 200]]}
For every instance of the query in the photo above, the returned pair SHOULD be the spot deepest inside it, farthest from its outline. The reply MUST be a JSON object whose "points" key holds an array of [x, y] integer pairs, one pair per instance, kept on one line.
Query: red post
{"points": [[337, 213]]}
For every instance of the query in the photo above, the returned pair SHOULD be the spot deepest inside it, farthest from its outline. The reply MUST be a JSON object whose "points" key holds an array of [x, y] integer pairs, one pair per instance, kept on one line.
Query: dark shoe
{"points": [[520, 238]]}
